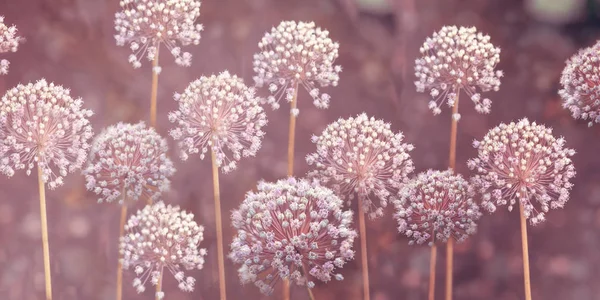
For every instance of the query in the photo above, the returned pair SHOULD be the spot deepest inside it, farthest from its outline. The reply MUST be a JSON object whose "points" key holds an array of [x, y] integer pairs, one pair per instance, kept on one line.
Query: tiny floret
{"points": [[294, 55], [580, 82], [41, 125], [9, 42], [221, 114], [144, 25], [456, 59], [523, 162], [128, 162], [162, 238], [292, 229], [361, 158], [436, 206]]}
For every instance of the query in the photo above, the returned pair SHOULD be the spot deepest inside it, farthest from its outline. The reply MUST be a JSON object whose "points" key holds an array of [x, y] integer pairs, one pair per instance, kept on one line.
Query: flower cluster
{"points": [[162, 237], [128, 162], [456, 59], [40, 124], [361, 157], [581, 85], [436, 206], [523, 162], [221, 113], [145, 24], [9, 42], [293, 55], [292, 229]]}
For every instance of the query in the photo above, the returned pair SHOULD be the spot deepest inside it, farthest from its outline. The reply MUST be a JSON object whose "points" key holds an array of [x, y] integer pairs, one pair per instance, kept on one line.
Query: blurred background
{"points": [[71, 43]]}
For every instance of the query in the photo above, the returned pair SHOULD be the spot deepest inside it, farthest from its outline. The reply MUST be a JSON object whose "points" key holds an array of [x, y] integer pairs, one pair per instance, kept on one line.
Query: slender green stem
{"points": [[45, 244], [525, 244], [219, 225], [363, 251], [452, 164]]}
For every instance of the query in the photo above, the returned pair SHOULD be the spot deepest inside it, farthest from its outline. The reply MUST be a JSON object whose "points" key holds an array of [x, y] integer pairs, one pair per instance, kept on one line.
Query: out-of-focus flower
{"points": [[581, 84], [128, 162], [40, 124], [296, 55], [218, 113], [523, 162], [160, 238], [146, 24], [361, 157], [436, 206], [292, 229], [9, 42], [456, 59]]}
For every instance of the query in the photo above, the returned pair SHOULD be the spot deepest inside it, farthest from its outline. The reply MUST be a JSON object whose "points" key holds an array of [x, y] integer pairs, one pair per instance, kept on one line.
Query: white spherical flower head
{"points": [[40, 124], [454, 60], [291, 229], [9, 42], [523, 162], [436, 206], [221, 114], [361, 158], [295, 55], [146, 24], [581, 85], [160, 238], [128, 162]]}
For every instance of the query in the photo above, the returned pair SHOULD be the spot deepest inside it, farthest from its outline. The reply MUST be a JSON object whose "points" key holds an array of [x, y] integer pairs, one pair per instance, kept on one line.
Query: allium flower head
{"points": [[456, 59], [9, 42], [581, 84], [128, 162], [292, 229], [296, 55], [361, 158], [146, 24], [40, 124], [436, 206], [160, 238], [219, 113], [523, 162]]}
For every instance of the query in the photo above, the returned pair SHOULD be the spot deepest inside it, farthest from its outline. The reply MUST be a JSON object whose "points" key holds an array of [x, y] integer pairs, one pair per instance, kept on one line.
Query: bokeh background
{"points": [[71, 43]]}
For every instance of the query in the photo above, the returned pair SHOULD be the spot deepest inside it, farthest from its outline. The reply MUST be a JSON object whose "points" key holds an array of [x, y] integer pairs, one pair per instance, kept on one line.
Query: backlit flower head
{"points": [[162, 238], [40, 124], [218, 113], [581, 84], [146, 24], [523, 162], [456, 59], [296, 55], [361, 158], [9, 42], [436, 206], [291, 229], [128, 162]]}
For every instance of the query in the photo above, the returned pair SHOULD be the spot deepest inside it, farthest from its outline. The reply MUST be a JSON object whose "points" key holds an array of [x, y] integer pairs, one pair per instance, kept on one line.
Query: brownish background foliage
{"points": [[70, 42]]}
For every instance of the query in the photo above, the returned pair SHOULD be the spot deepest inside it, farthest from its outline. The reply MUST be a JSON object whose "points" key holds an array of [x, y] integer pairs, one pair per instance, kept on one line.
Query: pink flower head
{"points": [[292, 229], [9, 42], [361, 158], [128, 162], [40, 124], [436, 206], [523, 162]]}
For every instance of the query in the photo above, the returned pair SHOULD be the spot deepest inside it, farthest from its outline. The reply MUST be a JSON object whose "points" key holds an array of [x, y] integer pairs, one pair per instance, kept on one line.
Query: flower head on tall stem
{"points": [[456, 59], [361, 158], [436, 206], [130, 159], [221, 113], [292, 229], [40, 124], [581, 85], [523, 162], [296, 54], [160, 238], [9, 42], [145, 24]]}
